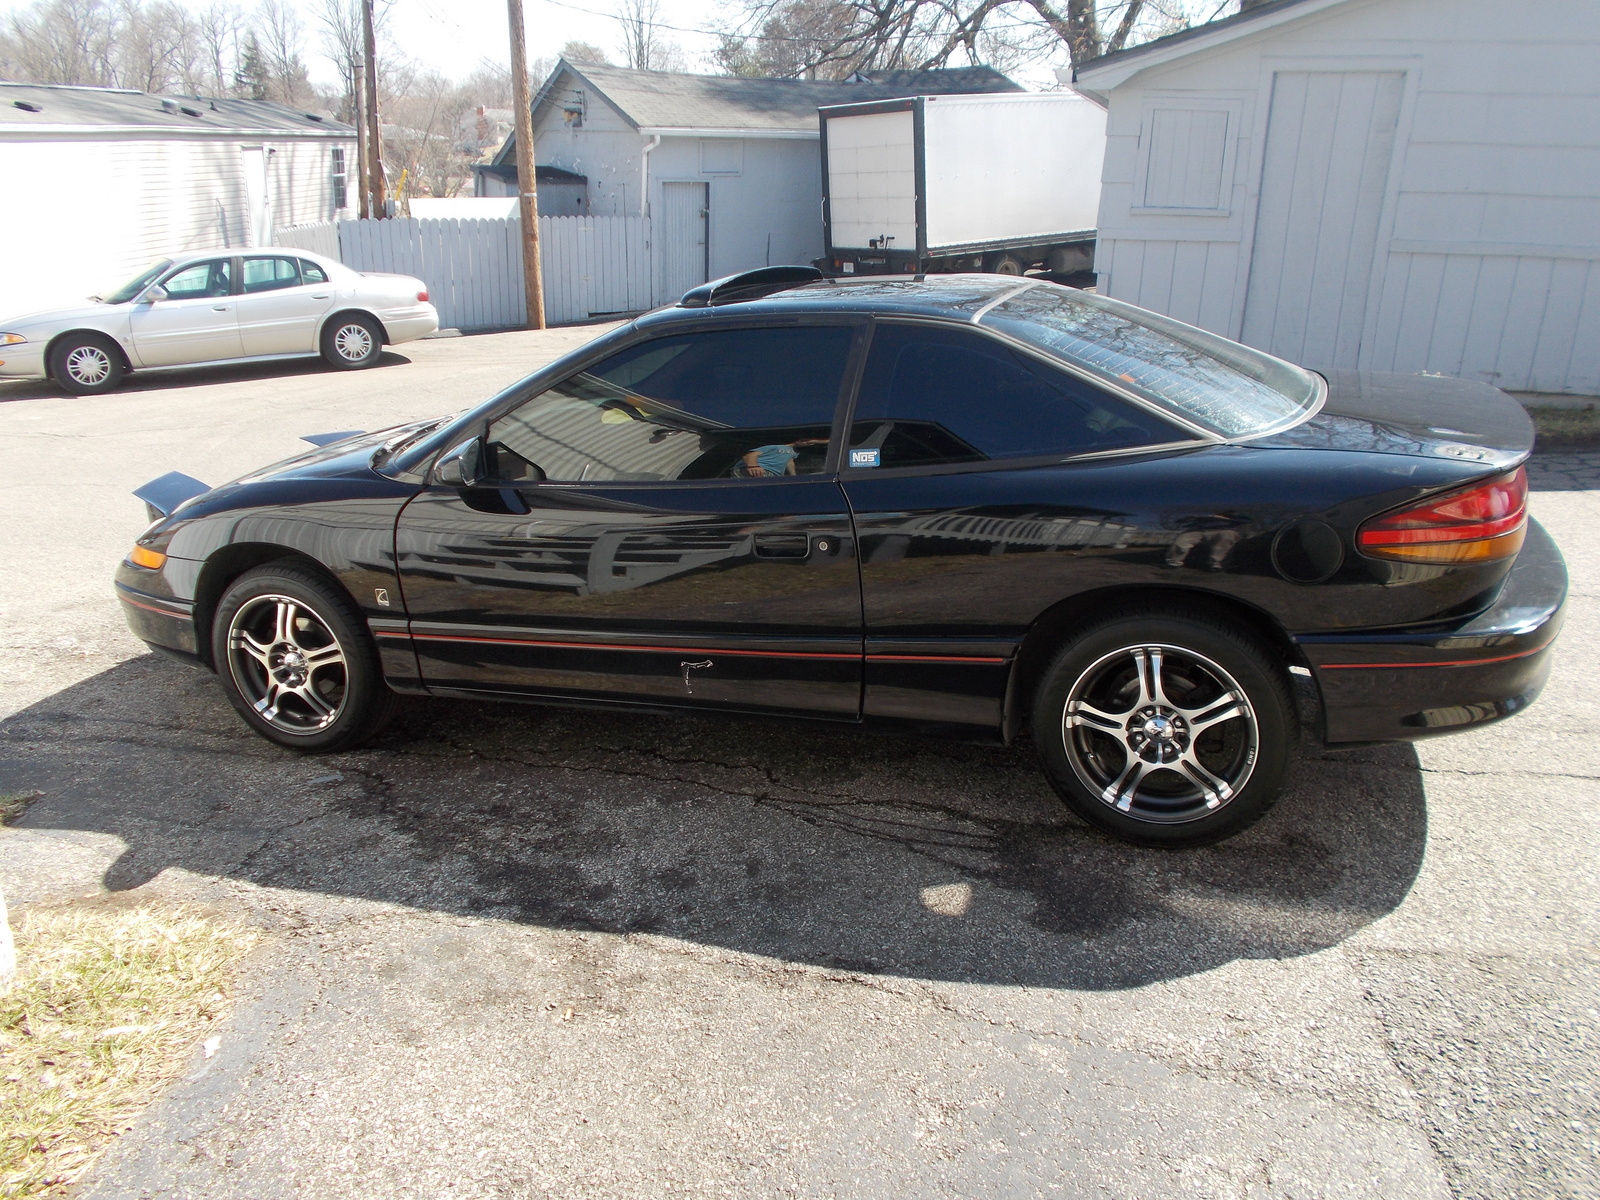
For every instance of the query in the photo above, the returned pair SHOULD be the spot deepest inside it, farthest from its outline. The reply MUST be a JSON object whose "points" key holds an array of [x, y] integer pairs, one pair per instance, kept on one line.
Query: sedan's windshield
{"points": [[1227, 388], [137, 284]]}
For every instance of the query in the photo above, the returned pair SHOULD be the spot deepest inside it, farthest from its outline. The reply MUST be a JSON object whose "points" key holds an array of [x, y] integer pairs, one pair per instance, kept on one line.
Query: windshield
{"points": [[137, 284], [1227, 388]]}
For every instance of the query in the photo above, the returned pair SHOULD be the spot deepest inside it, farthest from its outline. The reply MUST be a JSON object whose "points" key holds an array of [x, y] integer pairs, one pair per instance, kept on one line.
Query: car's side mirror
{"points": [[154, 293], [461, 466]]}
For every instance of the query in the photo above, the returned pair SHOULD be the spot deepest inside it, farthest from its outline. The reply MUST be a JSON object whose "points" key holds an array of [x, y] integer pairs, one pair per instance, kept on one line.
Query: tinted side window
{"points": [[311, 273], [211, 279], [728, 404], [935, 396], [270, 274]]}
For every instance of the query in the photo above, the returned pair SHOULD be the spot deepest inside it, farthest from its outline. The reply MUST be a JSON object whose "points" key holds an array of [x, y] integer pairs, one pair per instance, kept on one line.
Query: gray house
{"points": [[727, 168]]}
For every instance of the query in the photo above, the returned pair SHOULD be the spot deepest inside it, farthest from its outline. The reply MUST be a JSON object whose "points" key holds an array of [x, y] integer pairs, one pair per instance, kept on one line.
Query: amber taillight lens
{"points": [[1477, 524]]}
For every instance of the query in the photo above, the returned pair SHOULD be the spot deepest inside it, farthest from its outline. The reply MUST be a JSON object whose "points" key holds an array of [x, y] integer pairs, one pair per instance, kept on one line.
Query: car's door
{"points": [[663, 527], [198, 320], [281, 299], [957, 483]]}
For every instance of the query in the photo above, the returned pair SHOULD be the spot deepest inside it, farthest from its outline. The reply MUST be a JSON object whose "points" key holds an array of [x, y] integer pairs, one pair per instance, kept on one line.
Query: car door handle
{"points": [[783, 545], [221, 307], [320, 295]]}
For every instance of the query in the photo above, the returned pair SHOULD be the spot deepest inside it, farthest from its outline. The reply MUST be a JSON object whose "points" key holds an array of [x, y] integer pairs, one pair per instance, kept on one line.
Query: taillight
{"points": [[422, 297], [1476, 524]]}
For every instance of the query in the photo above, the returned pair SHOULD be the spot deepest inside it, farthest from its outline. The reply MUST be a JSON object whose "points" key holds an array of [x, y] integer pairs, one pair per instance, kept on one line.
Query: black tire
{"points": [[351, 341], [286, 625], [1005, 264], [1219, 781], [86, 364]]}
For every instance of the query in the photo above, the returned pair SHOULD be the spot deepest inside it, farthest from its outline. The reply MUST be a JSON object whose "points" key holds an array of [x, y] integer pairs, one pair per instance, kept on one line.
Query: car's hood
{"points": [[1421, 415], [89, 310]]}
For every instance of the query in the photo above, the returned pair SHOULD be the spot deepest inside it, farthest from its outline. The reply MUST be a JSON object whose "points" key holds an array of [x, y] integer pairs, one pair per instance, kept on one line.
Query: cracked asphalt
{"points": [[526, 952]]}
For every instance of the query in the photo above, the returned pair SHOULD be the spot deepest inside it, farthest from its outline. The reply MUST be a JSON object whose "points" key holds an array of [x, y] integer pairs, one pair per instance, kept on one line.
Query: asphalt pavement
{"points": [[519, 951]]}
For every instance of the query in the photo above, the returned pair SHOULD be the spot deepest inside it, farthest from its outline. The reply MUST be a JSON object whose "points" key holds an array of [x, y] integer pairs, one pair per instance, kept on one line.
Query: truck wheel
{"points": [[1004, 264]]}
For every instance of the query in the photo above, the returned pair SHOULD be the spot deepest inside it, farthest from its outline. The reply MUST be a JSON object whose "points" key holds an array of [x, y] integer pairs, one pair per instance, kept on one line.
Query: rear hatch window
{"points": [[1225, 388]]}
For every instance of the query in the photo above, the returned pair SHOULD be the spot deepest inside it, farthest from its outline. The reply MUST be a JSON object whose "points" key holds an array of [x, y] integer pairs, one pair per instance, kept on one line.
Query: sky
{"points": [[454, 37]]}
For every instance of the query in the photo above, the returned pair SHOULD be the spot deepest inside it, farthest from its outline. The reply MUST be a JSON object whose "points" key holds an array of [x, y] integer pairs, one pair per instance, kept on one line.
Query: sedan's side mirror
{"points": [[461, 466], [154, 293]]}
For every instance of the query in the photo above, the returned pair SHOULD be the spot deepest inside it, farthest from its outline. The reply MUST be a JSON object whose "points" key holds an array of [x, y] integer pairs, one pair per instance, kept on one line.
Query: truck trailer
{"points": [[1004, 183]]}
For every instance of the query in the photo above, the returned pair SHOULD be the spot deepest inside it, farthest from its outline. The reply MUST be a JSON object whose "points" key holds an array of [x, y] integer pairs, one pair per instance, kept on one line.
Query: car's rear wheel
{"points": [[1170, 730], [352, 342], [86, 364], [296, 661]]}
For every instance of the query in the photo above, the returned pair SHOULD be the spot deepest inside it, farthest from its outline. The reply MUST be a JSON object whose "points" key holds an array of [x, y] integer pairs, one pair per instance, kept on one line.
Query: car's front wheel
{"points": [[296, 661], [1171, 730], [351, 342], [86, 364]]}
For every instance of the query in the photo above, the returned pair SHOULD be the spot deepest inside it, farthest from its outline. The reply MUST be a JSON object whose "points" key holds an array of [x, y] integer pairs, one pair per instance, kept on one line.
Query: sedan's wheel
{"points": [[1165, 730], [352, 342], [296, 661], [86, 364]]}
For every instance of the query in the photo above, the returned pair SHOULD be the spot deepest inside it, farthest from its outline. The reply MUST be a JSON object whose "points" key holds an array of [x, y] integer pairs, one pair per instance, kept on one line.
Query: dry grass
{"points": [[1566, 428], [14, 804], [108, 1004]]}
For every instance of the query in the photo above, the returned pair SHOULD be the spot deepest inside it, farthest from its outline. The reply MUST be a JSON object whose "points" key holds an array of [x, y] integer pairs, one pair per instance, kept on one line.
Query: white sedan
{"points": [[219, 307]]}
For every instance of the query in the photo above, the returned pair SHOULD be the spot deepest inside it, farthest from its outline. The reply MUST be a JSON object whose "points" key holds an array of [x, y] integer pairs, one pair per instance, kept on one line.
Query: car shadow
{"points": [[189, 377], [800, 842]]}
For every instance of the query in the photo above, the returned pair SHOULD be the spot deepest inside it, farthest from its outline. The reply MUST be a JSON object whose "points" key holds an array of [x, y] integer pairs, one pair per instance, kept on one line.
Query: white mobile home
{"points": [[1393, 185], [100, 183], [727, 168]]}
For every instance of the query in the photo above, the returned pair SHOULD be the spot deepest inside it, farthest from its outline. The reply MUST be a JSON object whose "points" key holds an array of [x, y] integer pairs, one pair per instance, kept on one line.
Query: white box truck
{"points": [[1002, 182]]}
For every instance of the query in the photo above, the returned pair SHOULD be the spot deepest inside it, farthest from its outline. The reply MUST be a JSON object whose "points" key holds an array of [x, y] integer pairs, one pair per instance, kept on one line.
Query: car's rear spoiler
{"points": [[162, 495]]}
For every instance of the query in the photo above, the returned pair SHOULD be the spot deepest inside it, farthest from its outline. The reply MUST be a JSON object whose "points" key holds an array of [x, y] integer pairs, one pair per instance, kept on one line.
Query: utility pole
{"points": [[527, 182], [375, 140], [363, 180]]}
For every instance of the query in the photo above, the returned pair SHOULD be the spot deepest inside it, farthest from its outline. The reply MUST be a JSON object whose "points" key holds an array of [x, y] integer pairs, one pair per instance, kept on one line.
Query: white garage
{"points": [[1392, 185]]}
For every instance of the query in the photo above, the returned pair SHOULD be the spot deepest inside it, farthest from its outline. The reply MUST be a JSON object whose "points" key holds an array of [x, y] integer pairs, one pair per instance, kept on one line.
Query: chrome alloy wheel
{"points": [[88, 365], [1160, 733], [352, 342], [287, 664]]}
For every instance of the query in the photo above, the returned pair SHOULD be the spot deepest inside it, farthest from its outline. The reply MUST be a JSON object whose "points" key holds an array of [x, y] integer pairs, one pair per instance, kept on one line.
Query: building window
{"points": [[340, 180], [721, 156], [1186, 164]]}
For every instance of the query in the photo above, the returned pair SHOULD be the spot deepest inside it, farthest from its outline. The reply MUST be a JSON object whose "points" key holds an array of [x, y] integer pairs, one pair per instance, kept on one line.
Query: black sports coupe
{"points": [[971, 503]]}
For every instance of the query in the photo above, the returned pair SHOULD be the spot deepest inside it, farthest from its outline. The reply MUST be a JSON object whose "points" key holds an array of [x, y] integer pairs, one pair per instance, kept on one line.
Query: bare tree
{"points": [[578, 52], [61, 41], [282, 37], [218, 28], [643, 47], [835, 38]]}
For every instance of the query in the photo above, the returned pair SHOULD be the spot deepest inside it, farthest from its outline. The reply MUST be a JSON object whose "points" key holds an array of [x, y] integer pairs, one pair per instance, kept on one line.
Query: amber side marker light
{"points": [[143, 556], [1477, 524]]}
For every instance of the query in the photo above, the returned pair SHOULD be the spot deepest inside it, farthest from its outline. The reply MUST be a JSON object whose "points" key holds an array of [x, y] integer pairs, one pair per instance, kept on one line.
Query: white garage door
{"points": [[1330, 136]]}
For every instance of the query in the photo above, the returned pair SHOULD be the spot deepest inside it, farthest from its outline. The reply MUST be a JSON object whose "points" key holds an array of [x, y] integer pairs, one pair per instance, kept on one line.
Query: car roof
{"points": [[193, 256], [951, 296]]}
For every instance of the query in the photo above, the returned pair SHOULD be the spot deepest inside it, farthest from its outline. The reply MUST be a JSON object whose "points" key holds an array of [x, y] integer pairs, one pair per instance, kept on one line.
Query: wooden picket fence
{"points": [[473, 268]]}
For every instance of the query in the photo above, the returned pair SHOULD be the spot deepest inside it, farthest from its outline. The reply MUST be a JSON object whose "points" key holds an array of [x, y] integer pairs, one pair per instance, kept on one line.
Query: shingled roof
{"points": [[664, 100]]}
